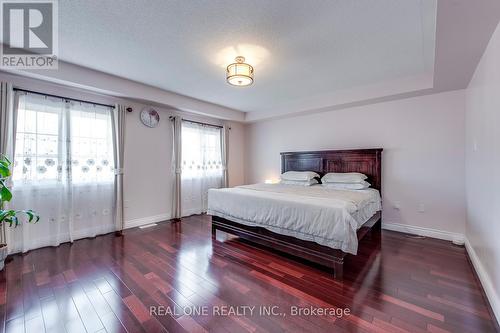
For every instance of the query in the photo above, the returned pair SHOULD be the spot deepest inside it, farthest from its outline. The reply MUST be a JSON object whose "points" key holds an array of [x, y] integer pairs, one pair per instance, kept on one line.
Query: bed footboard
{"points": [[293, 247]]}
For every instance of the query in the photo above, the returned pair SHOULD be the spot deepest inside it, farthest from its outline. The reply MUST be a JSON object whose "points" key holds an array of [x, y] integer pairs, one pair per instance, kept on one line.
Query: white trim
{"points": [[146, 220], [485, 280], [148, 225], [421, 231]]}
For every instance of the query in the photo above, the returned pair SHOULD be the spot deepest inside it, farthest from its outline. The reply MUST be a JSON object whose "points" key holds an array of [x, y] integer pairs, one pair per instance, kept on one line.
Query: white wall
{"points": [[423, 158], [483, 170], [148, 152], [236, 167], [148, 178], [148, 156]]}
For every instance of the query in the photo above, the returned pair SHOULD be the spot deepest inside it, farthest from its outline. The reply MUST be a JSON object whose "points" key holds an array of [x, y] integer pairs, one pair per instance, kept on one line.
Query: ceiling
{"points": [[308, 55]]}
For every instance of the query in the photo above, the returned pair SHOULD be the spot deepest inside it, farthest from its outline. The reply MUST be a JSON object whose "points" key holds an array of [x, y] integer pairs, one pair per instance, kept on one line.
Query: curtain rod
{"points": [[198, 122], [65, 98]]}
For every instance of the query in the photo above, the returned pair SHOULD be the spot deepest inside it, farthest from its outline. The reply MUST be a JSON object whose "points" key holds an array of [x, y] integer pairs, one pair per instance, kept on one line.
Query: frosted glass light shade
{"points": [[239, 73]]}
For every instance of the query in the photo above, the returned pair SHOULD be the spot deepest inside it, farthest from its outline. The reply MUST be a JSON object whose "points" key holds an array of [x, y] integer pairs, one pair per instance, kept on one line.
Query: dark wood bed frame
{"points": [[367, 161]]}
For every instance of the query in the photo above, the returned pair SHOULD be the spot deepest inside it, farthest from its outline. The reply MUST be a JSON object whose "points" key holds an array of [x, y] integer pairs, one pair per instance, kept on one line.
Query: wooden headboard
{"points": [[367, 161]]}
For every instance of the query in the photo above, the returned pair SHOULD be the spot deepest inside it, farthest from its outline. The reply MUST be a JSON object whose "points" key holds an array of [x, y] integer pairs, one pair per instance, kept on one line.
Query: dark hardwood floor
{"points": [[110, 284]]}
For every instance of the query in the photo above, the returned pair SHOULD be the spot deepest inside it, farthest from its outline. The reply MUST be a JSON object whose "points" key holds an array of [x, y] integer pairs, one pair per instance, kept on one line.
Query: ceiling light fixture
{"points": [[239, 73]]}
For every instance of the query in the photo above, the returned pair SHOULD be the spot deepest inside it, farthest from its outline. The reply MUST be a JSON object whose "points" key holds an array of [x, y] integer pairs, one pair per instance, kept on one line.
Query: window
{"points": [[201, 165], [201, 150], [37, 140], [64, 170], [58, 140], [91, 144]]}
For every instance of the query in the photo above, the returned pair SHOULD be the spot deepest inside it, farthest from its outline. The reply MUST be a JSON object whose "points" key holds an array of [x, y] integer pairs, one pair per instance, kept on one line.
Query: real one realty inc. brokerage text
{"points": [[248, 310]]}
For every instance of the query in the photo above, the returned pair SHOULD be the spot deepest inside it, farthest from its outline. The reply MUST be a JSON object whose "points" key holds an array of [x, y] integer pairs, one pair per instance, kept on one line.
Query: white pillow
{"points": [[299, 182], [299, 175], [345, 177], [347, 186]]}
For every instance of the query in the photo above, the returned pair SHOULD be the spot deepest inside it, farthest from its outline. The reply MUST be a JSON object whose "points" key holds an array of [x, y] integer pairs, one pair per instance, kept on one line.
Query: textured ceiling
{"points": [[304, 52]]}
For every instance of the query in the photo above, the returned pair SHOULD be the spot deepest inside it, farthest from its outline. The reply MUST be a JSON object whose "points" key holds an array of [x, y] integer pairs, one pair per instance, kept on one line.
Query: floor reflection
{"points": [[113, 283]]}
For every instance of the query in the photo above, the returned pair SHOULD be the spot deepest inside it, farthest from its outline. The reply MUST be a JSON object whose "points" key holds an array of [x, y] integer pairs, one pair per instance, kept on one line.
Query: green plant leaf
{"points": [[11, 216], [3, 215], [35, 216], [7, 214], [30, 215], [12, 219], [4, 169], [6, 159], [15, 220], [5, 194]]}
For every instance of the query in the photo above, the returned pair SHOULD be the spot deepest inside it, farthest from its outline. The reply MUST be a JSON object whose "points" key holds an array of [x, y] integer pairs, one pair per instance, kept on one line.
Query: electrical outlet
{"points": [[421, 208]]}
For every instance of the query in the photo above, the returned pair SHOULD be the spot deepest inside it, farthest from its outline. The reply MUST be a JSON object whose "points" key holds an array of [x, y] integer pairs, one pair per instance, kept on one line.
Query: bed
{"points": [[312, 223]]}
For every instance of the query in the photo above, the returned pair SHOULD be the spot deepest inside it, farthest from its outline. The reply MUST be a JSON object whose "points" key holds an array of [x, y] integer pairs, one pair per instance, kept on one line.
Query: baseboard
{"points": [[485, 280], [146, 220], [421, 231]]}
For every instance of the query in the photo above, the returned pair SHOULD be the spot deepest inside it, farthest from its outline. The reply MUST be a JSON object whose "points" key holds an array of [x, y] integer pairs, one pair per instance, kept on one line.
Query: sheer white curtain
{"points": [[176, 166], [225, 155], [7, 133], [118, 123], [63, 169], [201, 165]]}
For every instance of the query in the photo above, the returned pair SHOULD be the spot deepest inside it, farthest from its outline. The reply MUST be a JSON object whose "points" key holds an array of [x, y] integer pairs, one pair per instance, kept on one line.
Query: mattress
{"points": [[326, 216]]}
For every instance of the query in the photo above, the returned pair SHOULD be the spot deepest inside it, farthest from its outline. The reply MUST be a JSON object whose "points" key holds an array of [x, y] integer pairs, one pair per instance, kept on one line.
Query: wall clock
{"points": [[150, 117]]}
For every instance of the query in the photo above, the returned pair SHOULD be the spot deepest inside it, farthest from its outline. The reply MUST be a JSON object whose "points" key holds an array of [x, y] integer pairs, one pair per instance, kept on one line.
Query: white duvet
{"points": [[326, 216]]}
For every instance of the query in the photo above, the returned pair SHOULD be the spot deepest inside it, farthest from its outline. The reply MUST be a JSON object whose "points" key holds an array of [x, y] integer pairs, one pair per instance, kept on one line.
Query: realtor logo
{"points": [[29, 34]]}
